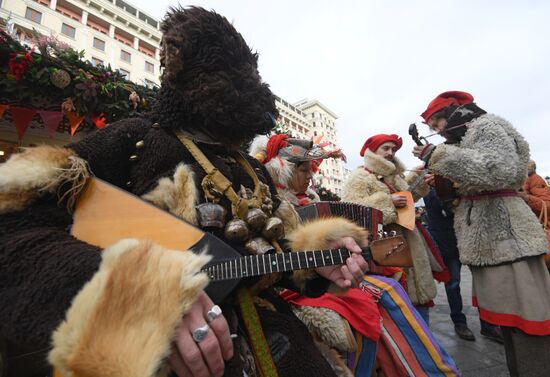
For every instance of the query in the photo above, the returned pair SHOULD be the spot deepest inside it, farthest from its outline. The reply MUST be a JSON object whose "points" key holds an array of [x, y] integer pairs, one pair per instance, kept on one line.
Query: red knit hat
{"points": [[375, 141], [444, 100]]}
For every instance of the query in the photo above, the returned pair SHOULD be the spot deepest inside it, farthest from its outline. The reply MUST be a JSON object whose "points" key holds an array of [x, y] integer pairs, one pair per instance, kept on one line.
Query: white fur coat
{"points": [[492, 156], [367, 188]]}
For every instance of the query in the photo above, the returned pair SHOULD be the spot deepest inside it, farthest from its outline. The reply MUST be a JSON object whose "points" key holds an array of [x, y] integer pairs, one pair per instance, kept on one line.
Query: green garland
{"points": [[56, 77], [326, 194]]}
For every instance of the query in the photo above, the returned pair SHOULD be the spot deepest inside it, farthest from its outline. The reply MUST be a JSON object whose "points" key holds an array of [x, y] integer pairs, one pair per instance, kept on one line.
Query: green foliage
{"points": [[326, 194], [281, 128], [27, 79]]}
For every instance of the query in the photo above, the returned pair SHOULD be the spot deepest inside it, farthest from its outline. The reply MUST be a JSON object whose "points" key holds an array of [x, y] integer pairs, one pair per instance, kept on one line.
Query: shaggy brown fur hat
{"points": [[211, 81]]}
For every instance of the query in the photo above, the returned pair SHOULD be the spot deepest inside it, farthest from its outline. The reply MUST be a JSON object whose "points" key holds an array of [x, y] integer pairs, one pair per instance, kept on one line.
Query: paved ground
{"points": [[482, 358]]}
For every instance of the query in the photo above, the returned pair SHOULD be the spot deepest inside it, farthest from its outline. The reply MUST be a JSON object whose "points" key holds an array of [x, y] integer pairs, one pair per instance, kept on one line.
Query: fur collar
{"points": [[381, 166], [290, 195]]}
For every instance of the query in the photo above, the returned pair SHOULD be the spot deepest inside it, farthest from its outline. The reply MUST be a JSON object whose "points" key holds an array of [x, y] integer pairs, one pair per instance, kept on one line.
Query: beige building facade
{"points": [[109, 31], [310, 118]]}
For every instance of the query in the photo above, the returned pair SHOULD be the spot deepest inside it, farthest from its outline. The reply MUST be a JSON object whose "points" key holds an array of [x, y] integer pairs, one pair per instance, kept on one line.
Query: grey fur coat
{"points": [[492, 156], [366, 188]]}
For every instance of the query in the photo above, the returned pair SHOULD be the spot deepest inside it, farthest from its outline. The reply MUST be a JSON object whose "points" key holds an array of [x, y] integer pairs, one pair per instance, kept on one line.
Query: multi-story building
{"points": [[109, 31], [293, 119], [310, 118]]}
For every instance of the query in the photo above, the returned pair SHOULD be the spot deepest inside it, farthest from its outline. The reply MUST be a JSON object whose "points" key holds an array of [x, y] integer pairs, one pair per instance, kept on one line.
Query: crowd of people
{"points": [[136, 308]]}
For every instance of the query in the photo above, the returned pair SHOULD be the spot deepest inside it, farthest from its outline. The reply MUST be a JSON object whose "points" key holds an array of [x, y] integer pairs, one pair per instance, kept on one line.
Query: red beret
{"points": [[375, 141], [444, 100]]}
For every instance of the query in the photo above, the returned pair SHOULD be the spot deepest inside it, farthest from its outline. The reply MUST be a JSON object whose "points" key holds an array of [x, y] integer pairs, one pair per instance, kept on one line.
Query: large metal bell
{"points": [[258, 245], [211, 215], [236, 231], [256, 219], [274, 229]]}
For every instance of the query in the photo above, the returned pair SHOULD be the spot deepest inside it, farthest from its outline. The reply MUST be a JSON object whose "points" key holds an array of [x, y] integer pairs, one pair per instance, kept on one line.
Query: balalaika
{"points": [[105, 214]]}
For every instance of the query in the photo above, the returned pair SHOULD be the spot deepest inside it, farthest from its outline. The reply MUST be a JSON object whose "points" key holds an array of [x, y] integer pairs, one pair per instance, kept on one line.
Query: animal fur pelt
{"points": [[122, 321], [337, 363], [366, 188], [327, 325], [492, 156], [290, 195], [317, 235], [37, 172], [287, 213], [178, 195]]}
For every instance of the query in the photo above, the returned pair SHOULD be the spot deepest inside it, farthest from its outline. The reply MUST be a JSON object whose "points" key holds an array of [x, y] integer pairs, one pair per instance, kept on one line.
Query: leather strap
{"points": [[253, 326], [215, 180]]}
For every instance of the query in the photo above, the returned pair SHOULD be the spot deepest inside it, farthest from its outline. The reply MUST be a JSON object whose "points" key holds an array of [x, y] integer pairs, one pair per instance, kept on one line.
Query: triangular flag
{"points": [[3, 108], [99, 120], [75, 120], [22, 117], [51, 120]]}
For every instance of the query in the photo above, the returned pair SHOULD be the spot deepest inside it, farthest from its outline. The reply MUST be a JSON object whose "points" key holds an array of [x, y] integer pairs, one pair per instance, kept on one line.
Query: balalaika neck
{"points": [[255, 265]]}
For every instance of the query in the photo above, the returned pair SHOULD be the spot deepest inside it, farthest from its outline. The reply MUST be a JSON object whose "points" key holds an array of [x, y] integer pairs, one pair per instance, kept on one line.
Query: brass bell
{"points": [[236, 231], [273, 229], [211, 215], [256, 219], [258, 245]]}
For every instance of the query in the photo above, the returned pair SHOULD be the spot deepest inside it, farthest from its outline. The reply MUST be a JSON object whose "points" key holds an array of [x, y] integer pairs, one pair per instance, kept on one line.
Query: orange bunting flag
{"points": [[51, 120], [3, 109], [99, 120], [22, 117], [75, 120]]}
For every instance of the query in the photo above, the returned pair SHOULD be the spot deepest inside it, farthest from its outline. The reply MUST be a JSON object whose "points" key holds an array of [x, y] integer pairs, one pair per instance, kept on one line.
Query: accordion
{"points": [[366, 217]]}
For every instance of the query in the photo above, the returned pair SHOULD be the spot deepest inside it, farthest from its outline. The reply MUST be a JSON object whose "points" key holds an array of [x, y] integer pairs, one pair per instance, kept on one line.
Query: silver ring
{"points": [[213, 313], [200, 333]]}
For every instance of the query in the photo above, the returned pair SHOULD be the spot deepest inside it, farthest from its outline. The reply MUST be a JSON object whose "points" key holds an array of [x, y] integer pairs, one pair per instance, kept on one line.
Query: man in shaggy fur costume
{"points": [[374, 185], [118, 312], [498, 236]]}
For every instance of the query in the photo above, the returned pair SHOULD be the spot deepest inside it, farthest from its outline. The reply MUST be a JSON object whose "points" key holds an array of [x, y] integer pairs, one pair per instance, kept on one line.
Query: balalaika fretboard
{"points": [[254, 265]]}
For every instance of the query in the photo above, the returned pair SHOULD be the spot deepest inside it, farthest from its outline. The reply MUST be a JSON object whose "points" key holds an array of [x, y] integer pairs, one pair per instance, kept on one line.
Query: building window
{"points": [[99, 44], [33, 15], [150, 84], [96, 62], [125, 56], [68, 30], [149, 67], [125, 73]]}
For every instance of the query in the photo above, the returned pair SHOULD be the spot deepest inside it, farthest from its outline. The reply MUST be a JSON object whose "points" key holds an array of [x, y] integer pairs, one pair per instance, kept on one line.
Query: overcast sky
{"points": [[377, 64]]}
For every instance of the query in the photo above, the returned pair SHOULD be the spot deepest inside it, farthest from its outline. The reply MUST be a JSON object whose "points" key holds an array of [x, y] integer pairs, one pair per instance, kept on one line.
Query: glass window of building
{"points": [[149, 67], [96, 62], [150, 84], [33, 15], [99, 44], [125, 56], [68, 30], [125, 73]]}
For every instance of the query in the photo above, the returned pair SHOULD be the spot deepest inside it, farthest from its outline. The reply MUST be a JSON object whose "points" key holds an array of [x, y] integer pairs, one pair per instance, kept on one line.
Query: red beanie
{"points": [[375, 141], [444, 100], [274, 145]]}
